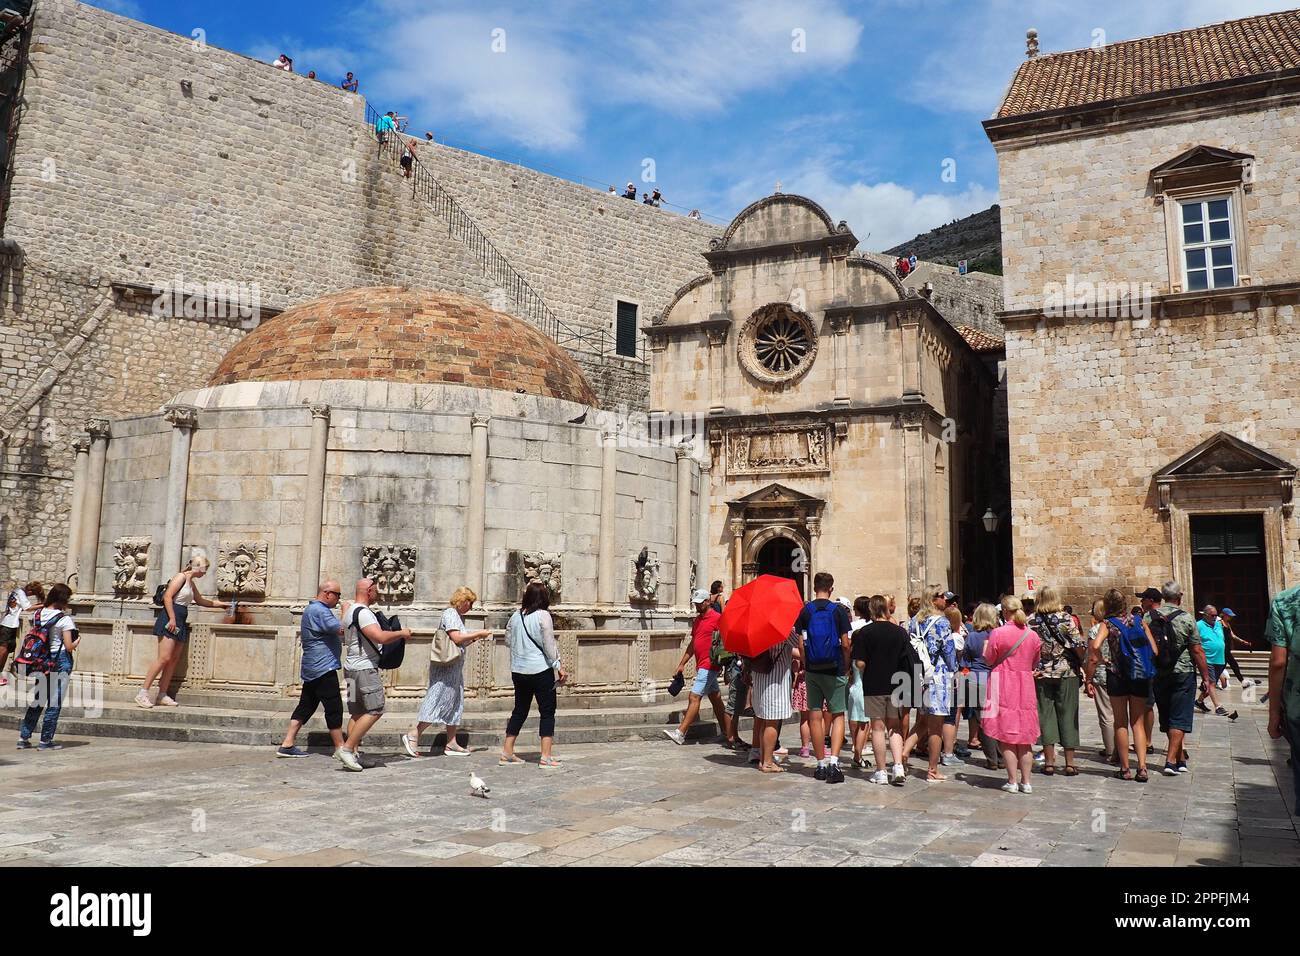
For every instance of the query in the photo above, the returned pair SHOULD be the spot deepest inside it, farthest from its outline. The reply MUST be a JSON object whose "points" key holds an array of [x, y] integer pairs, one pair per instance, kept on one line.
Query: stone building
{"points": [[1152, 272], [851, 427], [418, 438]]}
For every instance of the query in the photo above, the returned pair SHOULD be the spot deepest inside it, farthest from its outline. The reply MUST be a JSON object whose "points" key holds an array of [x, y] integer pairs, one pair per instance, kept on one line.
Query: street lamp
{"points": [[990, 521]]}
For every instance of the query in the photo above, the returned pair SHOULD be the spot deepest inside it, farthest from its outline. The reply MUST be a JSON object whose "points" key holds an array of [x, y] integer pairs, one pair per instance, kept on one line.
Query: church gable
{"points": [[1225, 455]]}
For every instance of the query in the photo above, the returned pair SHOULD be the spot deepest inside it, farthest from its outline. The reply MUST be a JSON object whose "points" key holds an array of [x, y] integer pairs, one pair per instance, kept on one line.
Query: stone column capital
{"points": [[814, 526], [479, 420], [320, 411], [97, 428], [840, 324], [80, 444], [737, 526], [183, 416], [683, 450]]}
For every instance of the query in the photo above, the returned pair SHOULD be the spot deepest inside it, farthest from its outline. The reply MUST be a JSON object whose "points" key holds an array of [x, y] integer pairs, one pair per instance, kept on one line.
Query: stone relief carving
{"points": [[695, 574], [392, 568], [130, 564], [645, 577], [530, 566], [777, 450], [242, 569]]}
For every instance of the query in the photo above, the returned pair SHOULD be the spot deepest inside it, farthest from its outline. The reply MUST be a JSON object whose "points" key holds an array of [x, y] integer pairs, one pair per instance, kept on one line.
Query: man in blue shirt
{"points": [[322, 644]]}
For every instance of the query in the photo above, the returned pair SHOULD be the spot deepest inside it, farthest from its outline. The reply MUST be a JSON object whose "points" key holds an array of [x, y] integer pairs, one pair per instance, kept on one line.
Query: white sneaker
{"points": [[1248, 682], [348, 759], [167, 701], [899, 777], [409, 746], [676, 736], [880, 777], [1010, 788], [1026, 788], [142, 700]]}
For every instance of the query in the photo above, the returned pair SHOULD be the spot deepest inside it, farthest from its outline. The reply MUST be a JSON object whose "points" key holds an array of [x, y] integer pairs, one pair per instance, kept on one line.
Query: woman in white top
{"points": [[64, 639], [172, 628], [535, 670], [17, 600], [444, 701]]}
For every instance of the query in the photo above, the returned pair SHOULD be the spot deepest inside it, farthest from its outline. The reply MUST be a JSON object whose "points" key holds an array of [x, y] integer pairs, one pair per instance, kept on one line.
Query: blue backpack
{"points": [[1134, 659], [823, 640]]}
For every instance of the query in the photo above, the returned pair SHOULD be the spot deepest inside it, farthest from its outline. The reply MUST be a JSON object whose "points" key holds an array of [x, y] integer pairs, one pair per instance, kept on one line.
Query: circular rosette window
{"points": [[777, 344]]}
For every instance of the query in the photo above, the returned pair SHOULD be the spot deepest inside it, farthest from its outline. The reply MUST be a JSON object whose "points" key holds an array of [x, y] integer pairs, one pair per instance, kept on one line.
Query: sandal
{"points": [[507, 761], [1071, 771], [1141, 776], [772, 768], [1049, 770], [1122, 774], [550, 762], [934, 776]]}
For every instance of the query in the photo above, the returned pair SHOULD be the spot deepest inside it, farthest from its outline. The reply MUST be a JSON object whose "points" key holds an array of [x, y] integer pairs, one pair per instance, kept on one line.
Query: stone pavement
{"points": [[141, 803]]}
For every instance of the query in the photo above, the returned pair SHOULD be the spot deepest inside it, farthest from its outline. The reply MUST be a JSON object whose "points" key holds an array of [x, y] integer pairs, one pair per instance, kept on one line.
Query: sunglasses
{"points": [[335, 593]]}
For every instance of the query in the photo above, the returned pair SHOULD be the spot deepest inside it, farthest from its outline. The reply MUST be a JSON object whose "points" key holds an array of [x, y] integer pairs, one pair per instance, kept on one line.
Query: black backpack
{"points": [[1162, 629], [390, 654]]}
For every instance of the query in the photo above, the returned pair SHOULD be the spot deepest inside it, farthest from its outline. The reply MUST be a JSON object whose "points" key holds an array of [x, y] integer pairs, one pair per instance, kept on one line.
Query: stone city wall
{"points": [[249, 175]]}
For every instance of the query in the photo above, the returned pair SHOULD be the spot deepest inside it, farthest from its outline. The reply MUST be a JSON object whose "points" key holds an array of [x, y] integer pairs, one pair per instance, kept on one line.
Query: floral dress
{"points": [[937, 634], [1053, 663]]}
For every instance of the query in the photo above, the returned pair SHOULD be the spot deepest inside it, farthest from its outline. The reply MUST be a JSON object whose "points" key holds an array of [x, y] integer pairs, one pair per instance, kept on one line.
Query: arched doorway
{"points": [[784, 558]]}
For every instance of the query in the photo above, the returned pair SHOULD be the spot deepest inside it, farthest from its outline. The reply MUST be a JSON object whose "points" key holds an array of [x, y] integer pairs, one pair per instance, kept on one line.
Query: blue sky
{"points": [[857, 105]]}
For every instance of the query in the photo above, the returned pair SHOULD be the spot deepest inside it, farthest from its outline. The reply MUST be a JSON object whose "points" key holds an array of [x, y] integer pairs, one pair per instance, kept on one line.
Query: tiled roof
{"points": [[980, 340], [1210, 54], [397, 334]]}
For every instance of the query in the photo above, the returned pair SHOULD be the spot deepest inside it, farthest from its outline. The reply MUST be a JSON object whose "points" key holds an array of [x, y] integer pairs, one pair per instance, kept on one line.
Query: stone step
{"points": [[478, 732]]}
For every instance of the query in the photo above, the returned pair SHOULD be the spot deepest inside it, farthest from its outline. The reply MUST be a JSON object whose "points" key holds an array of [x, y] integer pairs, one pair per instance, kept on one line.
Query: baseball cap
{"points": [[1151, 594], [699, 596], [1228, 612], [949, 596]]}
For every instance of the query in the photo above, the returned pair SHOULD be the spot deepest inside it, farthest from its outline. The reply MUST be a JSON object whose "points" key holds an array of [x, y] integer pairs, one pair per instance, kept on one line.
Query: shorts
{"points": [[1175, 698], [406, 162], [881, 707], [833, 689], [1216, 671], [706, 683], [182, 624], [1117, 685], [735, 689], [365, 693], [9, 637]]}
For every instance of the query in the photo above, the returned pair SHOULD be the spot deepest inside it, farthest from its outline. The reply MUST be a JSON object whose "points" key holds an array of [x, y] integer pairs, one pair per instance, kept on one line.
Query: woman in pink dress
{"points": [[1010, 713]]}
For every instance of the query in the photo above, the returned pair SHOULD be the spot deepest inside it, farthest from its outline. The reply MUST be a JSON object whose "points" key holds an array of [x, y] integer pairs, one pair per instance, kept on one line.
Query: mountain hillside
{"points": [[977, 239]]}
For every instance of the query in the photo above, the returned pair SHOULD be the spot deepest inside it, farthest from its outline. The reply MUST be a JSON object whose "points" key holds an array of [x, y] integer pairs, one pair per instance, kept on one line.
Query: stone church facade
{"points": [[1152, 276], [849, 425]]}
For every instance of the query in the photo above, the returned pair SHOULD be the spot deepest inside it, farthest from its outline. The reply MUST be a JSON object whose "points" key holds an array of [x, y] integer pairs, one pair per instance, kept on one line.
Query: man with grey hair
{"points": [[1180, 659], [364, 634], [322, 647]]}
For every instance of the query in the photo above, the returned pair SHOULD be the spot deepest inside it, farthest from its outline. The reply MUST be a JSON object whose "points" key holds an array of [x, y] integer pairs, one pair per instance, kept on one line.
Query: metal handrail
{"points": [[461, 226]]}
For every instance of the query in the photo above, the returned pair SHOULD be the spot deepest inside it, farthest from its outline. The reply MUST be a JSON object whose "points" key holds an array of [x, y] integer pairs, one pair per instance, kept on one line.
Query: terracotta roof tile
{"points": [[980, 340], [1233, 50], [396, 334]]}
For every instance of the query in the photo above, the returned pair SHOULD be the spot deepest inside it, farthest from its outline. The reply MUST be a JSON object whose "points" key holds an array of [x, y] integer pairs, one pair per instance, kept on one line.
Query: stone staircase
{"points": [[259, 723]]}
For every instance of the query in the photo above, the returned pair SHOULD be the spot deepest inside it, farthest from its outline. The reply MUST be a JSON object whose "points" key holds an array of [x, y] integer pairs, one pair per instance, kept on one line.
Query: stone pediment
{"points": [[776, 496], [1203, 166], [1225, 459]]}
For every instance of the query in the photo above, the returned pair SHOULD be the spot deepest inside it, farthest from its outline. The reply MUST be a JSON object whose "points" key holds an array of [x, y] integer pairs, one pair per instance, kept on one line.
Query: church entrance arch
{"points": [[780, 552]]}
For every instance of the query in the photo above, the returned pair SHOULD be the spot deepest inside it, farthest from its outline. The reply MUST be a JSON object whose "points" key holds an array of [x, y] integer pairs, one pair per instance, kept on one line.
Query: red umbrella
{"points": [[760, 614]]}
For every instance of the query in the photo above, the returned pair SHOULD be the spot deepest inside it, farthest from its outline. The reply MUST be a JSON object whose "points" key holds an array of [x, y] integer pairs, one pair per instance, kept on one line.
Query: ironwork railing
{"points": [[496, 267]]}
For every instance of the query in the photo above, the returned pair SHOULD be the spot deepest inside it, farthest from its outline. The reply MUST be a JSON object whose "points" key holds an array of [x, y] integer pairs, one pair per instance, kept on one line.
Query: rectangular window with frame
{"points": [[1209, 250], [625, 329]]}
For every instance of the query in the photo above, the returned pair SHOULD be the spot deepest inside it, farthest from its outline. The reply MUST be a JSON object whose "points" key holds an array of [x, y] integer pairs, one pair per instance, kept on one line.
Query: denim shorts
{"points": [[706, 683], [182, 624]]}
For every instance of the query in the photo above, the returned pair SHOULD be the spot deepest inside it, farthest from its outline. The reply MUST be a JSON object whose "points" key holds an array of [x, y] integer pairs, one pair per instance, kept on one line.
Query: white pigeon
{"points": [[477, 786]]}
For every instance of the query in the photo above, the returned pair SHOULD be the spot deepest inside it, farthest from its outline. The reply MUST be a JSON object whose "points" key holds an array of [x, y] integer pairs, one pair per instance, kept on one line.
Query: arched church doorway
{"points": [[784, 558]]}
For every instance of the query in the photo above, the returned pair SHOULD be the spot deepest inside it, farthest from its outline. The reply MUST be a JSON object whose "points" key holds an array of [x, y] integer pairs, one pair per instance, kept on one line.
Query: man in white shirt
{"points": [[361, 642], [16, 601]]}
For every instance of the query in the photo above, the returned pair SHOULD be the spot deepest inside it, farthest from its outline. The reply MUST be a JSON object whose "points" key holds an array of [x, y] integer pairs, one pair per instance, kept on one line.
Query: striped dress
{"points": [[772, 690]]}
